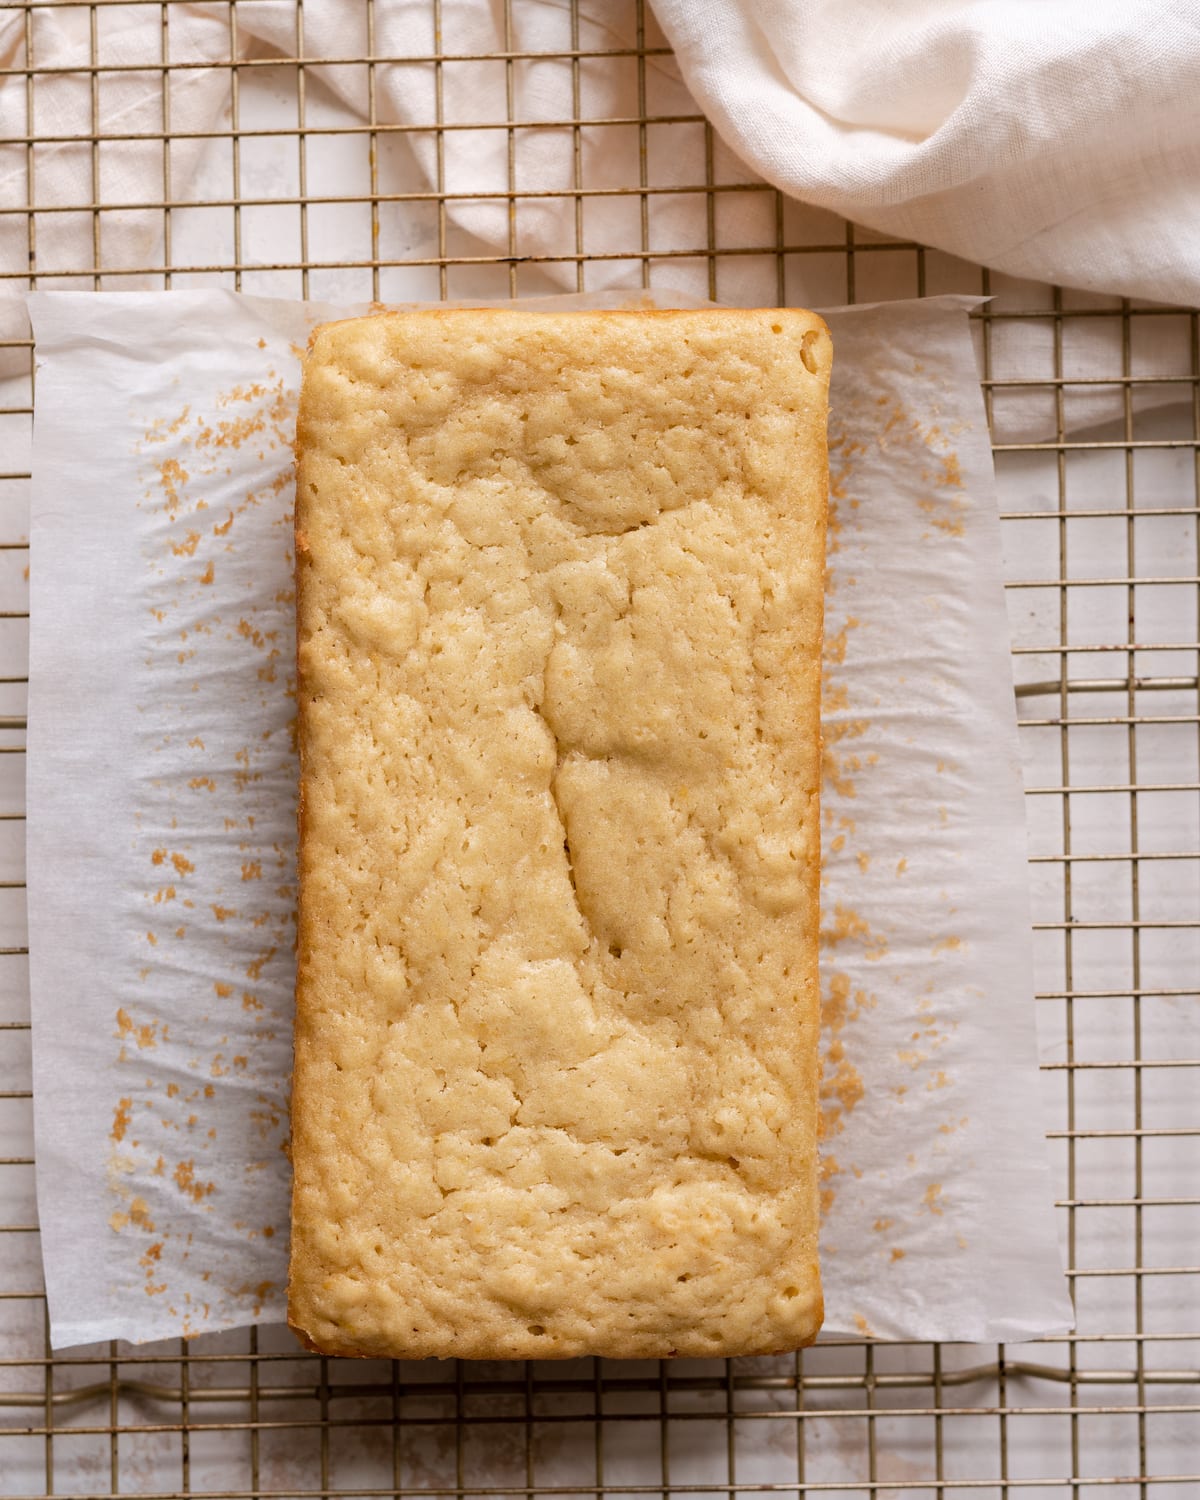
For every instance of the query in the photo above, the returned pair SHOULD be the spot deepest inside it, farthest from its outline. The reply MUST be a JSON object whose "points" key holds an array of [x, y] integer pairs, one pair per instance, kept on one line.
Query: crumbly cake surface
{"points": [[560, 596]]}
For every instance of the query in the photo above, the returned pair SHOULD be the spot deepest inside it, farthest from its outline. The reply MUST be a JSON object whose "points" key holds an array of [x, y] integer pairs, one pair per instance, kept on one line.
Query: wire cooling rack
{"points": [[285, 195]]}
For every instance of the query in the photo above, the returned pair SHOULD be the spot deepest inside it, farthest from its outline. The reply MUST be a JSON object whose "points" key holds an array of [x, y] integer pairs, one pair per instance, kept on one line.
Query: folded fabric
{"points": [[1058, 141], [469, 165]]}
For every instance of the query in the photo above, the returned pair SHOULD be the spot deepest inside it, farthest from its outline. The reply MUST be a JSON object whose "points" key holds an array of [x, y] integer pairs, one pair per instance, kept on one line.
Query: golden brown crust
{"points": [[559, 597]]}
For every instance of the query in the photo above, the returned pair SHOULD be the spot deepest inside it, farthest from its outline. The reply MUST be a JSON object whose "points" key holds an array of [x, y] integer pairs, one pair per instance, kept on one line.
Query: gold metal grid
{"points": [[1102, 531]]}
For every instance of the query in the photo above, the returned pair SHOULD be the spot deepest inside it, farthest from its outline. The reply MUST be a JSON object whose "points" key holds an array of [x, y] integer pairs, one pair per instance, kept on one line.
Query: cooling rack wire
{"points": [[1103, 569]]}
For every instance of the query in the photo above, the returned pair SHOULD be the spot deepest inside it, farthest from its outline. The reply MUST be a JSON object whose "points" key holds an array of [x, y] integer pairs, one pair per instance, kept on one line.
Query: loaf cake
{"points": [[559, 585]]}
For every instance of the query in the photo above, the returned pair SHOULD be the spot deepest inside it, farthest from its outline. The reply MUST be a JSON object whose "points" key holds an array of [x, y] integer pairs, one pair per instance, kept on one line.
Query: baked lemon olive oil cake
{"points": [[560, 585]]}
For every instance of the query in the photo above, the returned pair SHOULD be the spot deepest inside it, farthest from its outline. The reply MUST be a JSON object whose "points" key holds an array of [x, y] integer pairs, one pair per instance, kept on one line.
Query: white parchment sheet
{"points": [[161, 831]]}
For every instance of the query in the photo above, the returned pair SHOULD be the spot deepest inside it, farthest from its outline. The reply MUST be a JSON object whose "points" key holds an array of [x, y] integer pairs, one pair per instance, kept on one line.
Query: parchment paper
{"points": [[161, 829]]}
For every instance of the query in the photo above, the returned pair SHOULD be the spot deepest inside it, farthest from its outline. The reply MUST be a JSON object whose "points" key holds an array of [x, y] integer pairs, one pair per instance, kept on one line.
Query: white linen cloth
{"points": [[1057, 141]]}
